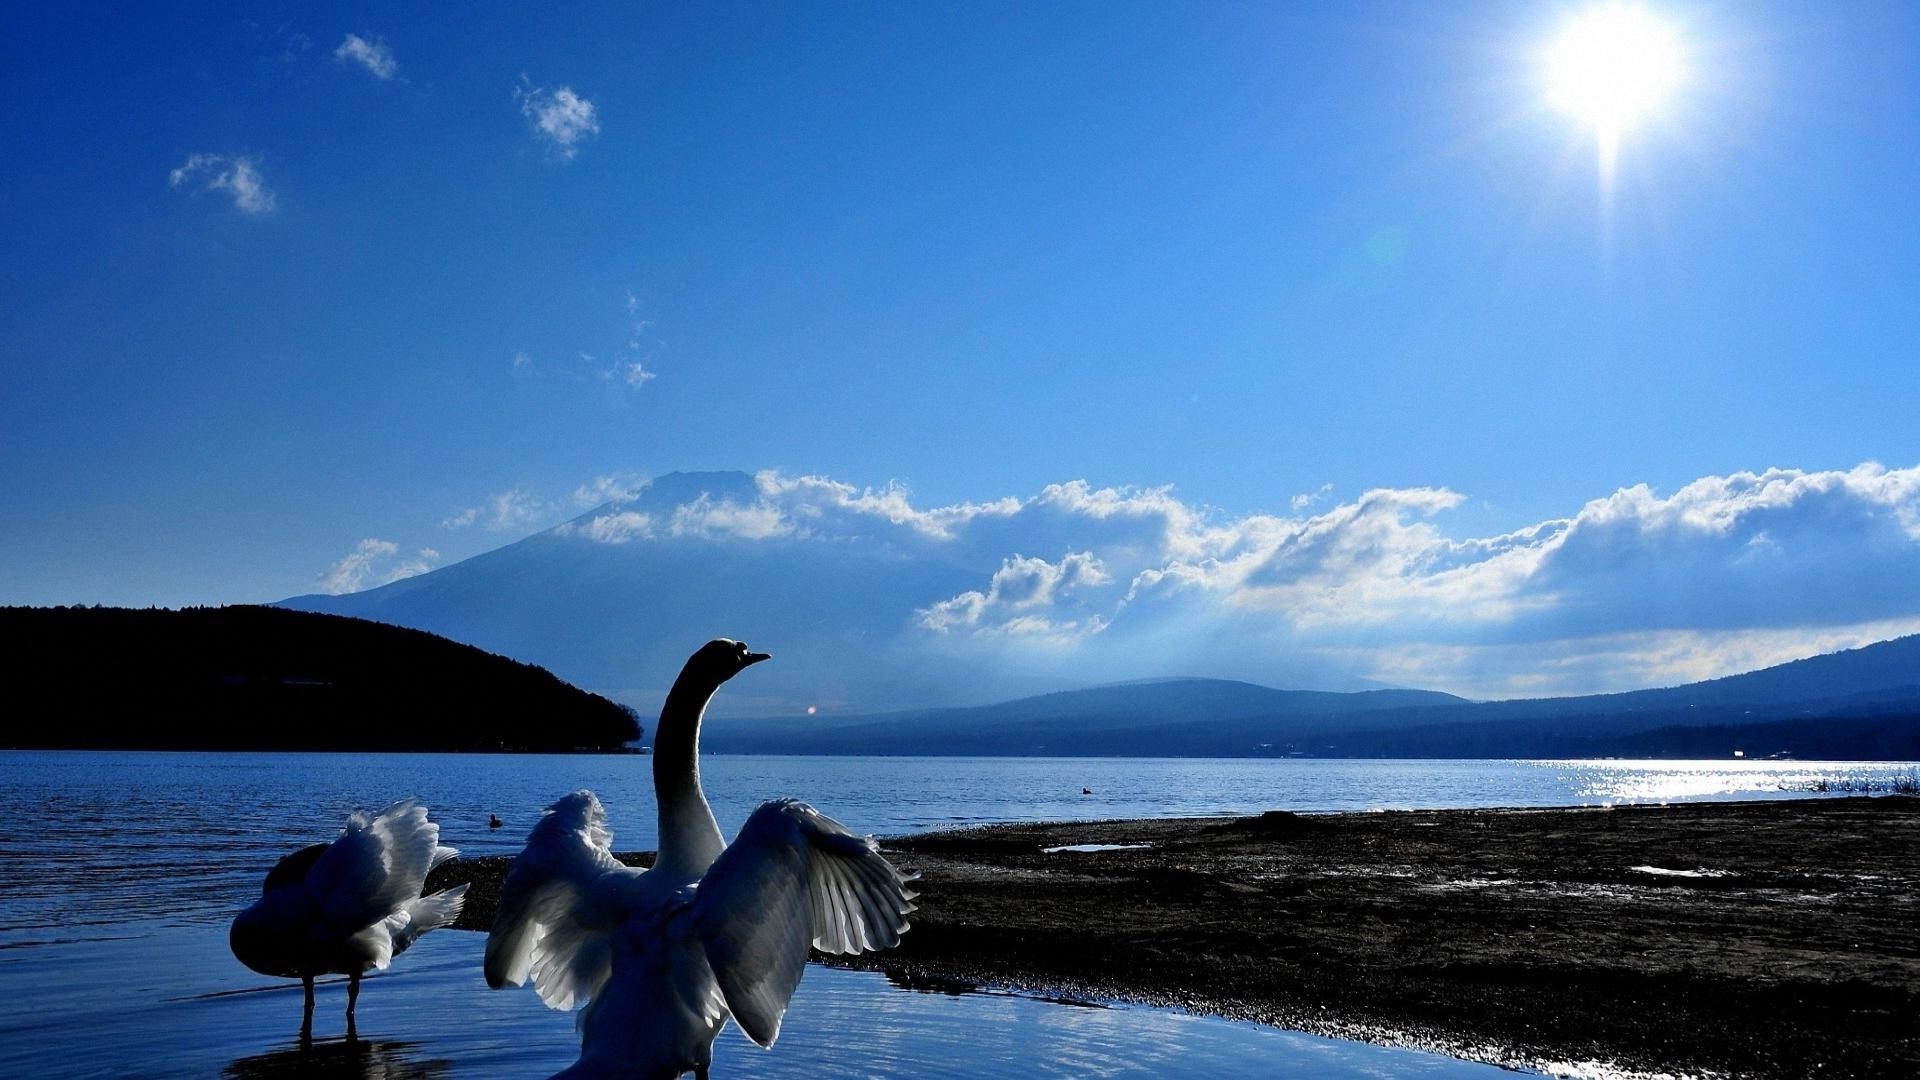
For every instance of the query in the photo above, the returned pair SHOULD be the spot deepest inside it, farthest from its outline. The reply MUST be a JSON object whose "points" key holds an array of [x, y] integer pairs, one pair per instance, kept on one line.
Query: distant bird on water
{"points": [[349, 906], [494, 822], [713, 931]]}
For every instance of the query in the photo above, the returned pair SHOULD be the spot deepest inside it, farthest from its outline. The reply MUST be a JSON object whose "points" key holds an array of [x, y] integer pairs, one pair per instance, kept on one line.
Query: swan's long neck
{"points": [[689, 837]]}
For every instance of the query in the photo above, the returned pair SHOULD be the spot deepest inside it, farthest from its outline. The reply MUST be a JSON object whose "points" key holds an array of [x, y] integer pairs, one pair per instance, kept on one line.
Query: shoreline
{"points": [[1763, 939]]}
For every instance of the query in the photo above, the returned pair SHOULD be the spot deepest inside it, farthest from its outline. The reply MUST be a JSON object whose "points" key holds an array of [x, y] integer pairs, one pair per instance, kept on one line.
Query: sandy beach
{"points": [[1775, 939]]}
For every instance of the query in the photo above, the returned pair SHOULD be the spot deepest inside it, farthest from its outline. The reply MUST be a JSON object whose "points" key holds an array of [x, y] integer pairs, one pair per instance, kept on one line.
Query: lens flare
{"points": [[1612, 67]]}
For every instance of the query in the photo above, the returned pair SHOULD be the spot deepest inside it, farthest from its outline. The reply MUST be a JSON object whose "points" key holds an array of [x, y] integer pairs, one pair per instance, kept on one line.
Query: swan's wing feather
{"points": [[377, 865], [753, 914], [558, 910], [792, 877]]}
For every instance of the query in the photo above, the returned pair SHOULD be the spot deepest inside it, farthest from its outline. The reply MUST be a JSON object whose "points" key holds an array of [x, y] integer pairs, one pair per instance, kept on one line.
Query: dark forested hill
{"points": [[270, 679]]}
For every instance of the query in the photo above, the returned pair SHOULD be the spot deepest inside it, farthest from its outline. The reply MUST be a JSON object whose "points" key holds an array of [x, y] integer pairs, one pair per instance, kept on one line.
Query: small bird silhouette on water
{"points": [[494, 822], [1086, 791]]}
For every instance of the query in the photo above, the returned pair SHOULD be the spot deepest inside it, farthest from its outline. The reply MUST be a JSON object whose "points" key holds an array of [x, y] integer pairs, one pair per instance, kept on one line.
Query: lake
{"points": [[120, 871]]}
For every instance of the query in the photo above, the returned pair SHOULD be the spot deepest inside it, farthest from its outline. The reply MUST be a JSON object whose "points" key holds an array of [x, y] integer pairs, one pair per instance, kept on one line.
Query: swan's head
{"points": [[721, 659]]}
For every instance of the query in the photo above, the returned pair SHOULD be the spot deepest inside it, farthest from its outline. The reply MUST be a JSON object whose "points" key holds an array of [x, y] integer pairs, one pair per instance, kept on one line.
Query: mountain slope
{"points": [[1860, 703], [623, 615], [838, 585]]}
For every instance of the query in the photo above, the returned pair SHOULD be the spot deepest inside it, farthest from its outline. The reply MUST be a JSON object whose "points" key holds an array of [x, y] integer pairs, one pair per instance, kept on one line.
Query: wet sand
{"points": [[1776, 939]]}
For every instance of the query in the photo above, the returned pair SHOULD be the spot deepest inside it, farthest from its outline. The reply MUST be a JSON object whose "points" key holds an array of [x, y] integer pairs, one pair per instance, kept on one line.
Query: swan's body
{"points": [[713, 931], [350, 906]]}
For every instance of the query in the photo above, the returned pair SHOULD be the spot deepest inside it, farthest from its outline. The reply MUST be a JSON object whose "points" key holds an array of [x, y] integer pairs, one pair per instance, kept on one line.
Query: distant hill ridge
{"points": [[260, 678], [1861, 703]]}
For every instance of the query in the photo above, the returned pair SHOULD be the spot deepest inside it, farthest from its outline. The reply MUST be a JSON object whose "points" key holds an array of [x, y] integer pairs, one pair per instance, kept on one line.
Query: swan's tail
{"points": [[552, 921], [430, 913]]}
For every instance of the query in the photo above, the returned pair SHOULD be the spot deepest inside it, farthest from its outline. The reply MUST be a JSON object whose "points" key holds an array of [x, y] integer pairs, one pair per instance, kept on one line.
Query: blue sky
{"points": [[279, 281]]}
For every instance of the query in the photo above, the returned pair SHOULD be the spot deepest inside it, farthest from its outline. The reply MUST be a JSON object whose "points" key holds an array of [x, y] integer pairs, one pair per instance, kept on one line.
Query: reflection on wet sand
{"points": [[340, 1059]]}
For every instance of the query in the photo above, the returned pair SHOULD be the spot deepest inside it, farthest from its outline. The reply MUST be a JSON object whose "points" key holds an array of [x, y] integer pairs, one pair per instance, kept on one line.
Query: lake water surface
{"points": [[120, 871]]}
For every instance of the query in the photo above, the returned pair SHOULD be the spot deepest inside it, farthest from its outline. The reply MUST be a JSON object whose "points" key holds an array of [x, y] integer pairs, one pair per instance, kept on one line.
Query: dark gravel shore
{"points": [[1777, 939]]}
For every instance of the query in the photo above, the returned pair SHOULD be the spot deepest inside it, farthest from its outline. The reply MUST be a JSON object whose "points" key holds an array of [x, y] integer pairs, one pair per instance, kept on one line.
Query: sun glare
{"points": [[1613, 66]]}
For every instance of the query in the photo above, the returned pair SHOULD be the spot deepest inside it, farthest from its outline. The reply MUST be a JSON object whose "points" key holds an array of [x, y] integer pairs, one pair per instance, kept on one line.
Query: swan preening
{"points": [[349, 906], [664, 957]]}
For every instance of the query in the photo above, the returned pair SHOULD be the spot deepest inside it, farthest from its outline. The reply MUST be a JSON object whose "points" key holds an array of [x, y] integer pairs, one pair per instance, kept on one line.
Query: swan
{"points": [[348, 906], [714, 931]]}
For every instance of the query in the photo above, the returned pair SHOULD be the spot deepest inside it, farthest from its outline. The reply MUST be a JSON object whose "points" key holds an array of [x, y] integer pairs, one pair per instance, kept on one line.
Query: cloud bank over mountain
{"points": [[1079, 584]]}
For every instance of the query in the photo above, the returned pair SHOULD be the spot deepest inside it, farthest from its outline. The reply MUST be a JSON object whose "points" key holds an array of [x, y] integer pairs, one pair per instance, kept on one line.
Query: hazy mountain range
{"points": [[1862, 703]]}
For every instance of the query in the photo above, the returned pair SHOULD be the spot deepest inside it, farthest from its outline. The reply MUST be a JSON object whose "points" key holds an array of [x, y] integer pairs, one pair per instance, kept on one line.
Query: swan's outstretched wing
{"points": [[793, 877], [556, 917], [375, 868]]}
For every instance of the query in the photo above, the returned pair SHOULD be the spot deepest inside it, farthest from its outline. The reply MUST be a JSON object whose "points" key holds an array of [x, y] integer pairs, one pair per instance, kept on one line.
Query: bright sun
{"points": [[1611, 67]]}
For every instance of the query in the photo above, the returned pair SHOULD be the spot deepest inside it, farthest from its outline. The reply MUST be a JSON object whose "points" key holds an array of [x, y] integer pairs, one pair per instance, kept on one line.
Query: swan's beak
{"points": [[754, 658]]}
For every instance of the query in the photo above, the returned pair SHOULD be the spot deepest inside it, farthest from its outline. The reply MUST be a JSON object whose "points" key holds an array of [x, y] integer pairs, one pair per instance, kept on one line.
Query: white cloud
{"points": [[817, 498], [707, 517], [239, 177], [562, 117], [1307, 499], [1632, 589], [506, 511], [635, 374], [522, 361], [372, 55], [610, 488], [374, 562], [1015, 596], [616, 528]]}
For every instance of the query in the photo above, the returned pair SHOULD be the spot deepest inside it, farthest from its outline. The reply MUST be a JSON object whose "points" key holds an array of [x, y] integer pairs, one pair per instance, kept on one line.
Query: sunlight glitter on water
{"points": [[1615, 782]]}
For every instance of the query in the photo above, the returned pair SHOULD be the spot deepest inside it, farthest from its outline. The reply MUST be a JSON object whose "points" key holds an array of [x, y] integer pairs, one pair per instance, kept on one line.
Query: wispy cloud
{"points": [[561, 117], [713, 518], [832, 508], [1019, 598], [507, 511], [238, 177], [609, 488], [374, 562], [1307, 499], [618, 527], [373, 55]]}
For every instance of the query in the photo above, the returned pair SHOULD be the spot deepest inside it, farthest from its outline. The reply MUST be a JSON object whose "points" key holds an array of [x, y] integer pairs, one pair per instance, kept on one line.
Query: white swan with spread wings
{"points": [[665, 956]]}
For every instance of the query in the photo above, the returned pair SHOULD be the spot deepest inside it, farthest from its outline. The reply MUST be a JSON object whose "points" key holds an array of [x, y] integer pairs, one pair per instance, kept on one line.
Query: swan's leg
{"points": [[306, 1018], [353, 996]]}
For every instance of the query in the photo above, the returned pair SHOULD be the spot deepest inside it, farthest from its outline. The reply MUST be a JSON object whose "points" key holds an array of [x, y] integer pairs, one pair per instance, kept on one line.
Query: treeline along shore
{"points": [[262, 678], [1763, 939]]}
